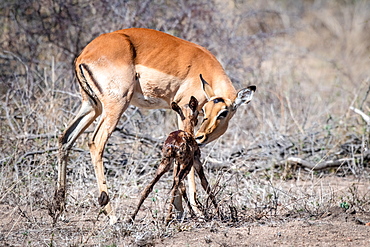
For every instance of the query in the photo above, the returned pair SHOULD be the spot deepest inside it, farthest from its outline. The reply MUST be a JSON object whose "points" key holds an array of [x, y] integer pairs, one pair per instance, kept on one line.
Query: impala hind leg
{"points": [[177, 202], [176, 198], [164, 166], [174, 194], [88, 112], [104, 129]]}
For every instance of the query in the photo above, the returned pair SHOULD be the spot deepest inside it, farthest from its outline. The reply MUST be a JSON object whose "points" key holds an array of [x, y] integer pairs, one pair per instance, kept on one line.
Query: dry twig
{"points": [[364, 116]]}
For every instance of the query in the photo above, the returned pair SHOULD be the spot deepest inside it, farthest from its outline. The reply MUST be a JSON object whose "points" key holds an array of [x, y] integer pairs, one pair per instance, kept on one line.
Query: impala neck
{"points": [[188, 127]]}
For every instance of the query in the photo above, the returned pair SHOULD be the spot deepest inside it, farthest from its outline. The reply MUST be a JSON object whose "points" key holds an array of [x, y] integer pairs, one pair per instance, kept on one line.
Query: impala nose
{"points": [[200, 140]]}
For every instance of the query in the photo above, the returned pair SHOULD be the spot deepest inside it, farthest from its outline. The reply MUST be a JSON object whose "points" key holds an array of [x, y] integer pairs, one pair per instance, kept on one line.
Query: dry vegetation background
{"points": [[295, 152]]}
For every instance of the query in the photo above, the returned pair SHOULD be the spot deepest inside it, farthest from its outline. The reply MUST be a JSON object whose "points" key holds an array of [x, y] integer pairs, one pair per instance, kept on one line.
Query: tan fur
{"points": [[146, 68]]}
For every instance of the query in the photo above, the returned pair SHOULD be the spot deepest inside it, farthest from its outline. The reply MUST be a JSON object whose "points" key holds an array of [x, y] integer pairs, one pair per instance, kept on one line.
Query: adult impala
{"points": [[149, 69]]}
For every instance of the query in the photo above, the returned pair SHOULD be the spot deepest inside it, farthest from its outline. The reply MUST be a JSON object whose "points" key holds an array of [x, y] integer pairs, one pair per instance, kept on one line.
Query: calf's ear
{"points": [[193, 103], [177, 109]]}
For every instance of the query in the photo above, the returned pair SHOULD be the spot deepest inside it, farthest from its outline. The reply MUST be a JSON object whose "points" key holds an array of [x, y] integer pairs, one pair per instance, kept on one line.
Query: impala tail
{"points": [[87, 82]]}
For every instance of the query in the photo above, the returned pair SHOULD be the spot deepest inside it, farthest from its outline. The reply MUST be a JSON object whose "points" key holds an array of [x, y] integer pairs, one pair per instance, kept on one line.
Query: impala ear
{"points": [[193, 103], [244, 96], [208, 91], [177, 109]]}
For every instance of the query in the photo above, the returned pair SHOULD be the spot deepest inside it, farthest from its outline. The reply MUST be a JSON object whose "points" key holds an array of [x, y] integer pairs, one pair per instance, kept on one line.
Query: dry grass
{"points": [[309, 60]]}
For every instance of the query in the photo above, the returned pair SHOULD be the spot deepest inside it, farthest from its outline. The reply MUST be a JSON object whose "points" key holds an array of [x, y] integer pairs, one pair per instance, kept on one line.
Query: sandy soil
{"points": [[337, 227]]}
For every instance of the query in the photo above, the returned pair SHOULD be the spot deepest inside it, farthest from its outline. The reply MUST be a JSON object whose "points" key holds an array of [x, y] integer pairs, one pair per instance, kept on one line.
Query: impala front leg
{"points": [[182, 188], [97, 146], [199, 168], [193, 191], [100, 137], [103, 199]]}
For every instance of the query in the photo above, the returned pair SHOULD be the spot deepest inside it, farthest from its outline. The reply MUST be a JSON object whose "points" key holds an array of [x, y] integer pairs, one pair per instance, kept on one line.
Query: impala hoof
{"points": [[103, 199]]}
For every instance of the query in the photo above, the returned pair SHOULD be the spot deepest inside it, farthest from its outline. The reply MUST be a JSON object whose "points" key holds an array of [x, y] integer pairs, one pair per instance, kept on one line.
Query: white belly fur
{"points": [[141, 101], [154, 89]]}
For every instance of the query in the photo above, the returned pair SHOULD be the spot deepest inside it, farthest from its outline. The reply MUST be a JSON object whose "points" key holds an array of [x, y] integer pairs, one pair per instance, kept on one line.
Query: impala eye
{"points": [[222, 115], [218, 100]]}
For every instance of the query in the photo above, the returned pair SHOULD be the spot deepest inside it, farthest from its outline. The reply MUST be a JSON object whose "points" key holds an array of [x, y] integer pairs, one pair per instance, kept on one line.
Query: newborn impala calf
{"points": [[180, 149]]}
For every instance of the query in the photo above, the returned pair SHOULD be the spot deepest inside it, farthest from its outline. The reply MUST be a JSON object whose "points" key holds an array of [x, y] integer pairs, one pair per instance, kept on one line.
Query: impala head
{"points": [[218, 111], [188, 115]]}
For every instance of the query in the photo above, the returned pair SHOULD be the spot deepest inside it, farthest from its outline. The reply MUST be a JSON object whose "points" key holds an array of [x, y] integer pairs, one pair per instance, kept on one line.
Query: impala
{"points": [[149, 69], [180, 151]]}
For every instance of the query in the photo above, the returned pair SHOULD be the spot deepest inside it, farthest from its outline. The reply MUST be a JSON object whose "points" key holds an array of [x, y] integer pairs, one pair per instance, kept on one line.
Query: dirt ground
{"points": [[334, 226], [338, 229]]}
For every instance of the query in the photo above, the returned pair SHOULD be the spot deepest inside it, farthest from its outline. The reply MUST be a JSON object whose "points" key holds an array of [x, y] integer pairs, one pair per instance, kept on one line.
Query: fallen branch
{"points": [[142, 138], [317, 166], [37, 152], [38, 136]]}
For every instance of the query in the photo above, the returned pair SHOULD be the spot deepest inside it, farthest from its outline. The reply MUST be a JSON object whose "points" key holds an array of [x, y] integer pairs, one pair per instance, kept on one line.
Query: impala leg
{"points": [[199, 168], [192, 190], [86, 115], [178, 198], [102, 132], [177, 202], [174, 194], [184, 171], [191, 182], [164, 166], [180, 171], [182, 188]]}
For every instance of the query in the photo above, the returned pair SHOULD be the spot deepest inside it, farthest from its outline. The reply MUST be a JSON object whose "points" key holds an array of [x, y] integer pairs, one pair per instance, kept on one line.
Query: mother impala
{"points": [[149, 69]]}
